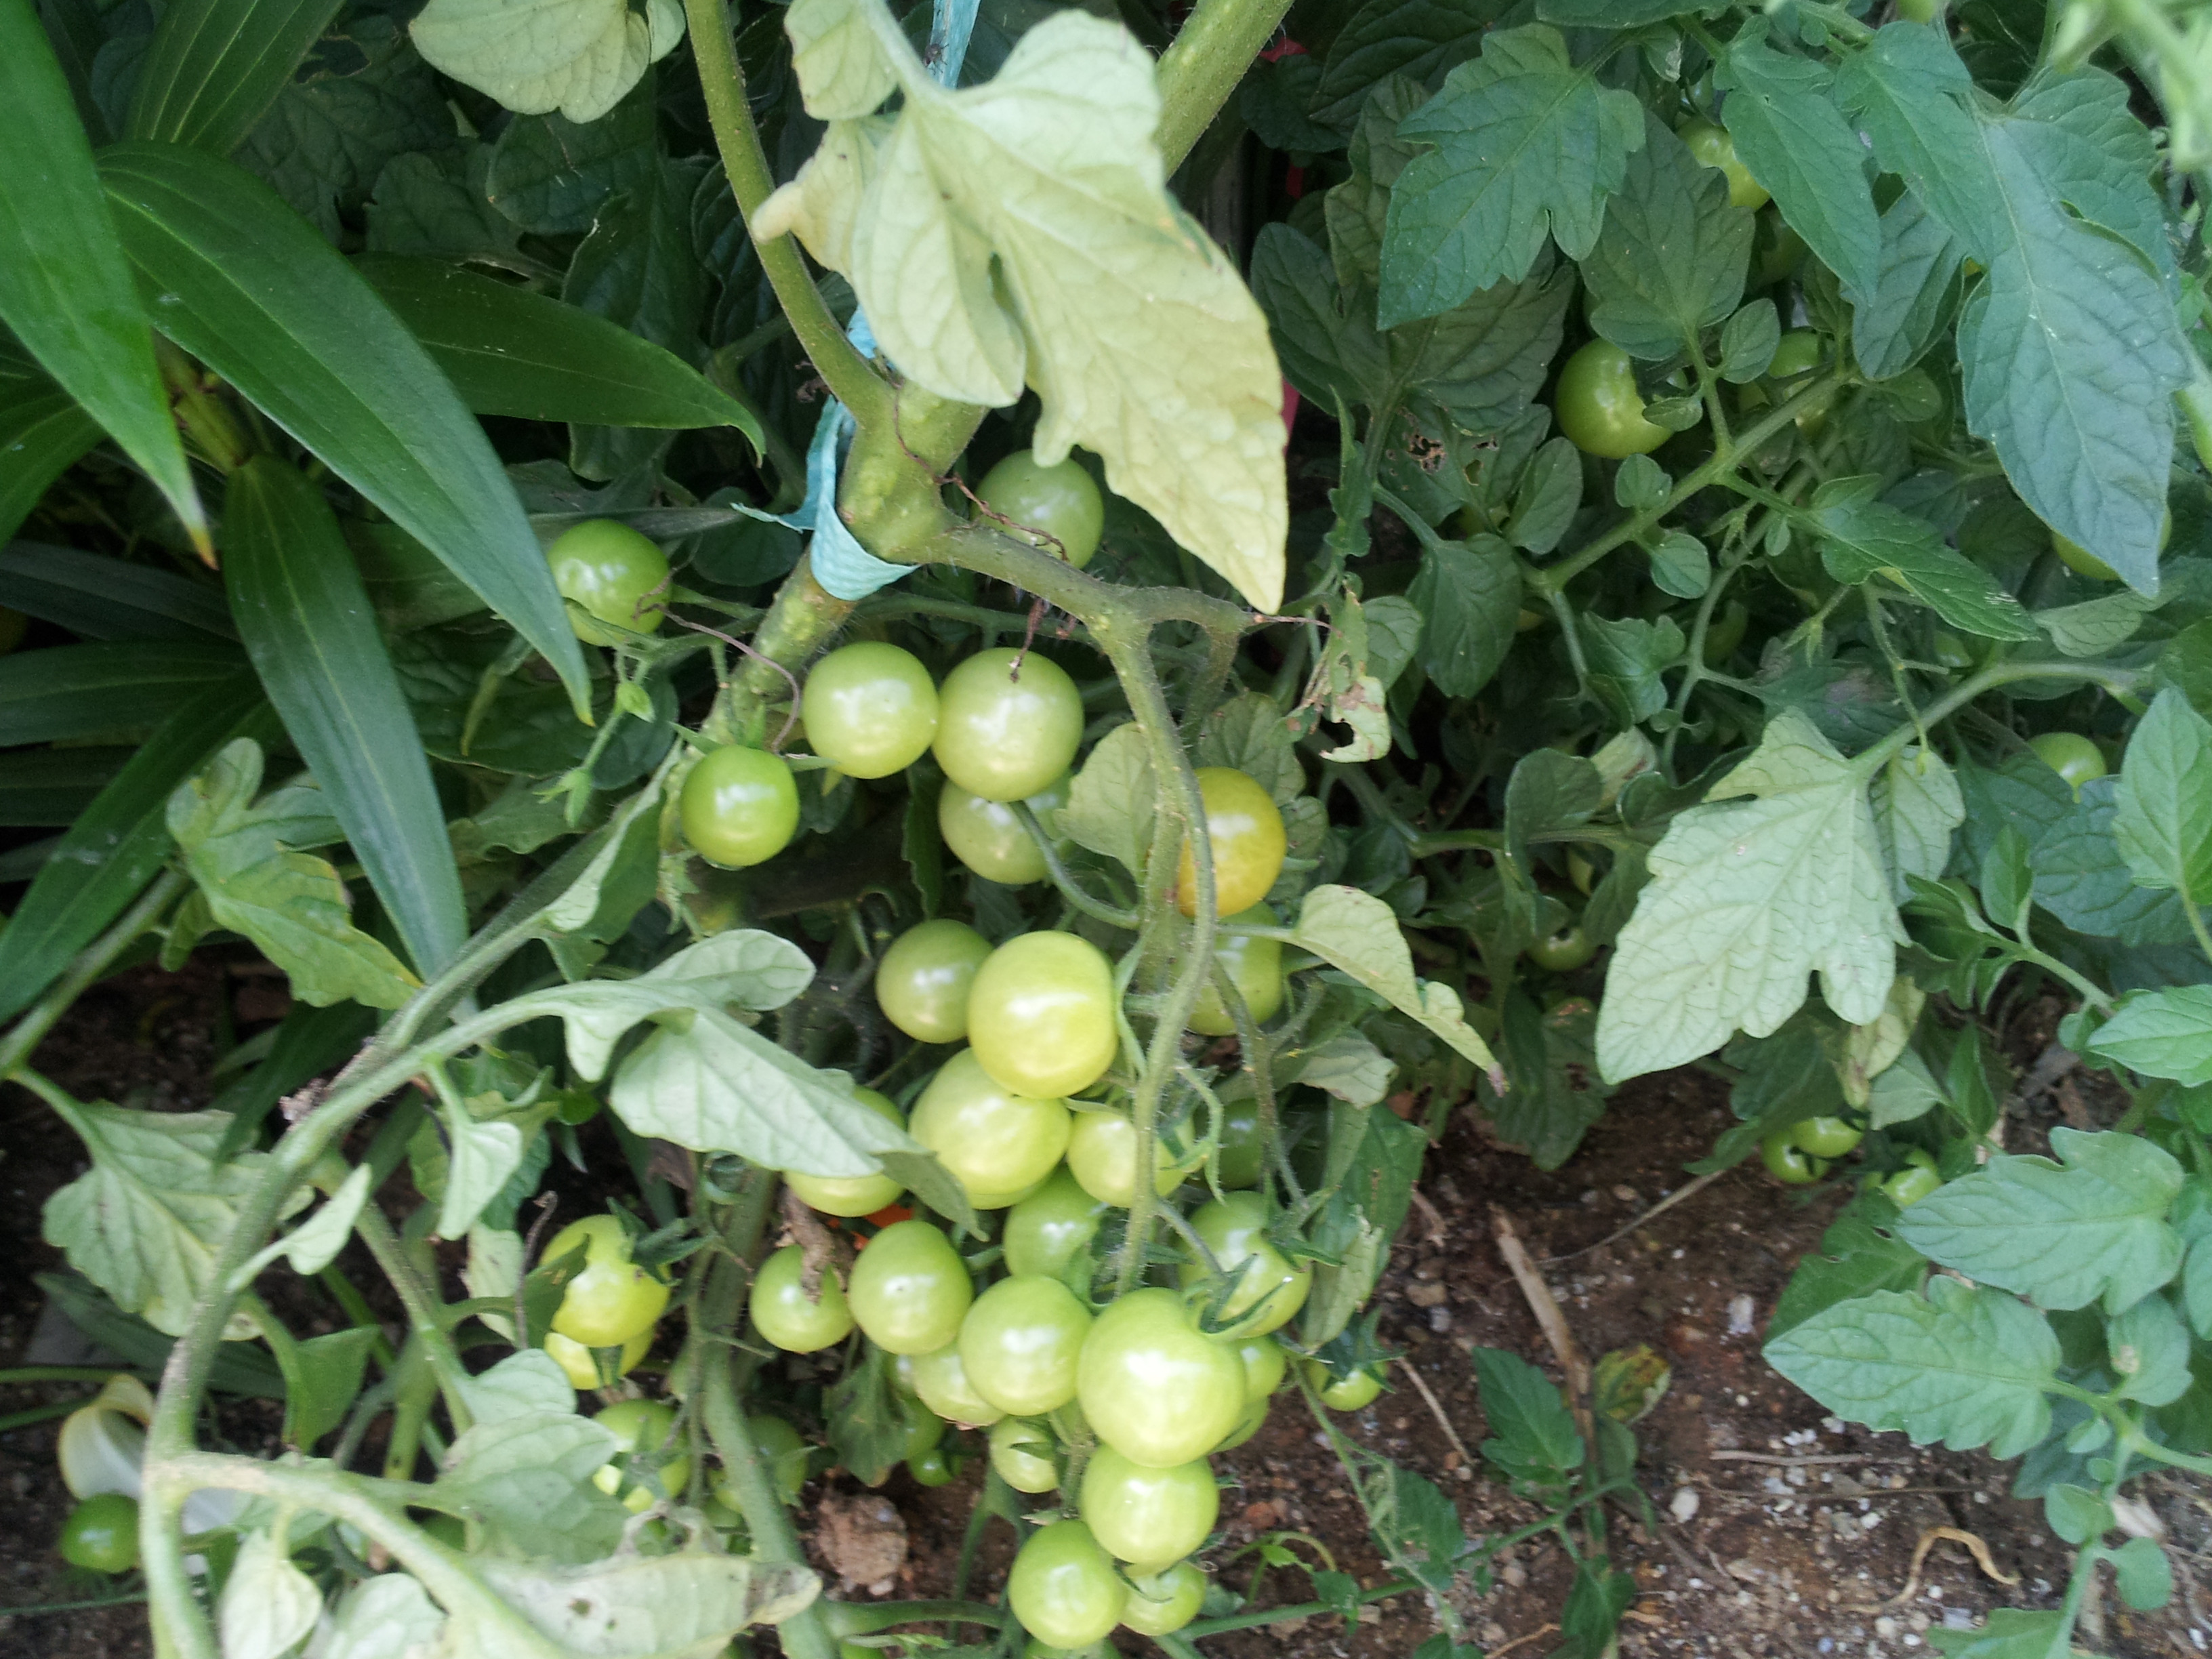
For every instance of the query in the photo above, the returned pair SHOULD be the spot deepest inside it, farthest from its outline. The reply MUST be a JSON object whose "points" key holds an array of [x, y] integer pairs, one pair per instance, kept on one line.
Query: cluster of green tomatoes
{"points": [[1801, 1153]]}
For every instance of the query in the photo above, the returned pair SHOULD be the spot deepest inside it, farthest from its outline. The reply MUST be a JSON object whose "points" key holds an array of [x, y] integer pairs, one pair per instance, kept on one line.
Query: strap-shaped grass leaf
{"points": [[113, 849], [508, 351], [43, 431], [1672, 258], [1966, 1367], [1793, 139], [215, 66], [2064, 1235], [48, 787], [242, 283], [1527, 143], [64, 286], [98, 597], [2162, 810], [79, 690], [312, 637]]}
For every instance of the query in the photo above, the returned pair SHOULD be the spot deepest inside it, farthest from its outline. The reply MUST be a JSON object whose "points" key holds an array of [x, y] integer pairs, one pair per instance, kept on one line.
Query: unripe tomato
{"points": [[1825, 1137], [1254, 1419], [999, 1145], [1041, 1014], [1151, 1518], [1564, 951], [1599, 408], [910, 1289], [2070, 755], [739, 806], [929, 1469], [1242, 1151], [2078, 558], [1245, 828], [942, 1384], [782, 1313], [1102, 1156], [1153, 1386], [850, 1195], [924, 1429], [1951, 651], [1918, 1178], [785, 1453], [1265, 1362], [1269, 1289], [1343, 1393], [610, 572], [1047, 1231], [923, 981], [1063, 1587], [1777, 251], [582, 1369], [1060, 501], [612, 1299], [1798, 352], [1020, 1345], [1255, 968], [987, 836], [1722, 635], [1005, 733], [871, 710], [1713, 148], [1023, 1456], [101, 1534], [1787, 1161], [643, 1428], [1162, 1603]]}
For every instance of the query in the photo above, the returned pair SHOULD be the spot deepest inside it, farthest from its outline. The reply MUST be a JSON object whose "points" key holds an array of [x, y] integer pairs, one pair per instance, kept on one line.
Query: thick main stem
{"points": [[1203, 65]]}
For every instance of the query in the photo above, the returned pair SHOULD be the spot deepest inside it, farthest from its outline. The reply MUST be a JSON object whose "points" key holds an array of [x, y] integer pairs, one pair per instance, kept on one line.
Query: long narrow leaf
{"points": [[243, 284], [65, 288], [46, 788], [216, 65], [79, 690], [43, 431], [98, 597], [113, 851], [312, 634]]}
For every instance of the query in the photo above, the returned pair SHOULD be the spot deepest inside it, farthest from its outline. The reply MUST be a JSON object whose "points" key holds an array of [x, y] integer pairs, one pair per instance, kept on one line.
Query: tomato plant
{"points": [[999, 1145], [611, 1299], [1264, 1291], [1600, 409], [1148, 1517], [101, 1534], [1041, 1015], [923, 980], [909, 1289], [1008, 724], [785, 1314], [612, 575], [1054, 507], [644, 1432], [1063, 1587], [871, 708], [739, 806], [1246, 831], [1153, 1386]]}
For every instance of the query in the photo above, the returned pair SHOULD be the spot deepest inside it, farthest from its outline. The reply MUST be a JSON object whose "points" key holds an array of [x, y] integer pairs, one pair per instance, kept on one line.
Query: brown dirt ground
{"points": [[1802, 1532]]}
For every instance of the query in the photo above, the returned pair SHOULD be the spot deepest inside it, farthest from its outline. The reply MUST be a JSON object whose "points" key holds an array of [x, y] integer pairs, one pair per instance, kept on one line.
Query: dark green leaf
{"points": [[1421, 40], [103, 598], [1328, 348], [1595, 1601], [215, 65], [1482, 362], [551, 175], [2162, 810], [1616, 14], [2082, 878], [1896, 321], [437, 203], [242, 1368], [1860, 1253], [1625, 658], [2162, 1034], [1550, 495], [46, 788], [1533, 1438], [1862, 537], [42, 432], [309, 1041], [1747, 341], [1791, 139], [1273, 101], [1469, 594], [323, 1380], [241, 284], [1554, 1094], [82, 690], [2009, 1634], [1671, 260]]}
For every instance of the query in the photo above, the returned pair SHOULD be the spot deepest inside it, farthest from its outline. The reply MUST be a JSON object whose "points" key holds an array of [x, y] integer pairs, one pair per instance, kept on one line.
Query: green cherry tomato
{"points": [[1255, 968], [1041, 1014], [924, 1429], [1343, 1393], [1799, 351], [1722, 635], [1021, 1454], [987, 836], [1564, 951], [1713, 148], [942, 1384], [1007, 735], [871, 710], [1102, 1155], [785, 1452], [1019, 1344], [999, 1145], [850, 1195], [101, 1534], [643, 1429], [1063, 1587], [1777, 251], [1951, 651], [1058, 500], [922, 983], [1600, 409], [1269, 1289], [1245, 829], [612, 1299], [2078, 558], [1825, 1137], [1918, 1178], [609, 572], [2070, 755], [1151, 1518], [782, 1314], [1047, 1231], [739, 806], [1162, 1603], [929, 1469], [909, 1289], [581, 1366], [1789, 1161], [1266, 1362], [1153, 1386], [1242, 1151]]}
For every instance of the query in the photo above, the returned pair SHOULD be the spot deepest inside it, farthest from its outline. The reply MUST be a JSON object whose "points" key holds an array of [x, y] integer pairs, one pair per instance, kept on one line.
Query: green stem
{"points": [[866, 1619], [1208, 58], [90, 963], [2006, 673], [1112, 915], [23, 1374], [425, 1312]]}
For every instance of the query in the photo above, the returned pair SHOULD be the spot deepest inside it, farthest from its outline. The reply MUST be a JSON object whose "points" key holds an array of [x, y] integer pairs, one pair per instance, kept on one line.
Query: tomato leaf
{"points": [[263, 300], [1021, 232], [1417, 40], [551, 175], [579, 57], [745, 968], [268, 1606], [1747, 897], [1533, 1441], [1862, 537], [1109, 800], [215, 65], [390, 1610], [691, 1602], [2162, 809], [2162, 1034], [1358, 934], [526, 1480], [1896, 318], [1469, 595], [2083, 879], [1917, 807], [1859, 1253], [64, 287], [1670, 262]]}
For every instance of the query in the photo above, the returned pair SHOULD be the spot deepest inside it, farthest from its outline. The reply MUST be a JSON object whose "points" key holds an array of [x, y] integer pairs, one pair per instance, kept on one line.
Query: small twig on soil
{"points": [[1545, 1307], [1537, 1634], [1806, 1495], [1977, 1549], [1653, 1213], [1436, 1407], [1817, 1457], [1437, 1231]]}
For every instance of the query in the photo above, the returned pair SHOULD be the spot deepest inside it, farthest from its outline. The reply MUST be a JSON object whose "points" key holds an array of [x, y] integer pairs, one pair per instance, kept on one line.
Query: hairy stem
{"points": [[1208, 58]]}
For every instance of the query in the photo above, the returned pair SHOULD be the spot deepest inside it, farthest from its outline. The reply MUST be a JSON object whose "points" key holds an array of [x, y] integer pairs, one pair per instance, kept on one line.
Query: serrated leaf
{"points": [[390, 1616], [684, 1606], [1470, 594], [579, 57], [268, 1606], [1356, 932], [1896, 320], [1549, 497], [1394, 39], [528, 1383], [1555, 1094], [1626, 656], [1020, 232], [1747, 341], [1859, 1253], [2162, 809], [1109, 801], [2082, 879], [2162, 1034], [1533, 1441], [526, 1479], [552, 176], [1274, 100], [1791, 137], [1527, 143], [1670, 262], [1966, 1367], [438, 204], [1328, 348], [1747, 898], [1862, 537], [315, 1244], [291, 904], [744, 968], [2062, 1235], [1917, 807], [1248, 732]]}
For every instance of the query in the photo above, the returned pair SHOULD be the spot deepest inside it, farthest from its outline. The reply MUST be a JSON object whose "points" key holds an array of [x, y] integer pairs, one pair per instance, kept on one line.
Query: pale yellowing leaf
{"points": [[579, 57]]}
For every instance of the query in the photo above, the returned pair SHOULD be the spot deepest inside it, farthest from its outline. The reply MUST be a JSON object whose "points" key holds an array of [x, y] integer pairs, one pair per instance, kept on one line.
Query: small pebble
{"points": [[1684, 1504]]}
